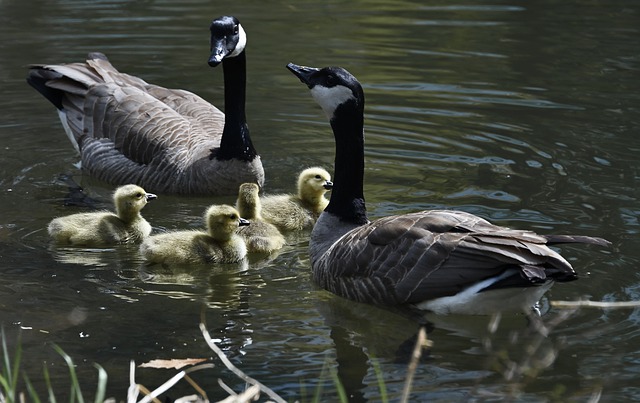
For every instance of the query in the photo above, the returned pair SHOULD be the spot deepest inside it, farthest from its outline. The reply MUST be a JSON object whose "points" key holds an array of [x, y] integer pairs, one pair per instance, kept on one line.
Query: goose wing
{"points": [[415, 257]]}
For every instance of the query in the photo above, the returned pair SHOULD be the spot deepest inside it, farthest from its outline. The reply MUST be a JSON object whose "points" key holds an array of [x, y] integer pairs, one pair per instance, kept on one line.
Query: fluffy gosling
{"points": [[291, 212], [260, 236], [220, 244], [103, 228]]}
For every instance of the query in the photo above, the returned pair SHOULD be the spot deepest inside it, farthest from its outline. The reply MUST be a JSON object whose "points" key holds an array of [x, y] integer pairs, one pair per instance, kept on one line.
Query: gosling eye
{"points": [[233, 216], [138, 195], [318, 177]]}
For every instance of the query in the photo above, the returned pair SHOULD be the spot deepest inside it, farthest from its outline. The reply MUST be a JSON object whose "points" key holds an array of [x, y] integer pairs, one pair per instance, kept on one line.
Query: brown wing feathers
{"points": [[419, 256]]}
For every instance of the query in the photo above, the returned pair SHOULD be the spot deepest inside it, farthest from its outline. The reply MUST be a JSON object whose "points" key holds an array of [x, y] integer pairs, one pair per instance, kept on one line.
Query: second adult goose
{"points": [[165, 140], [441, 261]]}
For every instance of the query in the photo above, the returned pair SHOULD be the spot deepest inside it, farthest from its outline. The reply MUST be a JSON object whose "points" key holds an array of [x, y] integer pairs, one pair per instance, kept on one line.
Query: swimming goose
{"points": [[220, 244], [440, 261], [295, 212], [104, 227], [260, 236], [165, 140]]}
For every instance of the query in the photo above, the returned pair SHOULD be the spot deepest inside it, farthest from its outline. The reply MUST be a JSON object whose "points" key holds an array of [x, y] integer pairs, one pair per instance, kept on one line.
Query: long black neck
{"points": [[347, 197], [236, 142]]}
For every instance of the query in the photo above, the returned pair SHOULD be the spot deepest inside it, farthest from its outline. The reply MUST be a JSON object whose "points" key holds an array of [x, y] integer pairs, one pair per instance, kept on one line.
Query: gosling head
{"points": [[248, 203], [314, 181], [129, 200], [228, 39], [333, 88], [222, 221]]}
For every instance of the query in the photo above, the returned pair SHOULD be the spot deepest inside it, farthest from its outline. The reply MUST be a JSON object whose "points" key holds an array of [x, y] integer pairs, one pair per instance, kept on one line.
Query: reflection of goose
{"points": [[440, 261], [295, 212], [166, 140], [260, 236], [104, 227], [220, 244]]}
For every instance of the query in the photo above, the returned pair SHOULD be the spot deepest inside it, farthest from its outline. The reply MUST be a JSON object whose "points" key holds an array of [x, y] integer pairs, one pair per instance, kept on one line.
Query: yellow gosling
{"points": [[291, 212], [103, 228], [219, 244], [260, 236]]}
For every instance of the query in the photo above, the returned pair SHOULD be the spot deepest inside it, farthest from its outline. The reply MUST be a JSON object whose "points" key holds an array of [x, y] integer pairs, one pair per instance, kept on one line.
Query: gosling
{"points": [[291, 212], [220, 244], [104, 228], [260, 236]]}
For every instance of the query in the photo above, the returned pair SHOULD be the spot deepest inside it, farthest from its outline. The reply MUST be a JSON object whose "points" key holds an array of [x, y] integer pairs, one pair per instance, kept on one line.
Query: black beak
{"points": [[304, 73], [243, 222], [151, 196], [328, 185], [218, 51]]}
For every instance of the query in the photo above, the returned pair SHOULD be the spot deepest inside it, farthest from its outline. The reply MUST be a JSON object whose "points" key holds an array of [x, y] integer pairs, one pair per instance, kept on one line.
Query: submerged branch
{"points": [[595, 304], [273, 395]]}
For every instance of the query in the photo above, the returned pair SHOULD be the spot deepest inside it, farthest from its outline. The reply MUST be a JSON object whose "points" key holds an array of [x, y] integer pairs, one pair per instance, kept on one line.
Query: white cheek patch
{"points": [[242, 42], [330, 98]]}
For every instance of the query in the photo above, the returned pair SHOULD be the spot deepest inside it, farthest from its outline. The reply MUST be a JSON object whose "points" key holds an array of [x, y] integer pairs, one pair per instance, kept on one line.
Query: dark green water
{"points": [[526, 113]]}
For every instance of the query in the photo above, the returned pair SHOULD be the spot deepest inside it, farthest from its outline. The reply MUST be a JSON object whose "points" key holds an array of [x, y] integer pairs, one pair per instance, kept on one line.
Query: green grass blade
{"points": [[47, 379], [33, 395], [10, 370], [384, 397], [76, 393], [102, 384], [339, 386]]}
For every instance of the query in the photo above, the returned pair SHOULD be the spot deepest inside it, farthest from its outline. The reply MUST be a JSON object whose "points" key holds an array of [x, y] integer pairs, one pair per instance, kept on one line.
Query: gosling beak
{"points": [[151, 196], [304, 73], [328, 185], [243, 222]]}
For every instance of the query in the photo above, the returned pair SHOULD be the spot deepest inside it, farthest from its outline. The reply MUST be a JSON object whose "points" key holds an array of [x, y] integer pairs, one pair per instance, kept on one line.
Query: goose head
{"points": [[313, 182], [335, 89], [129, 200], [248, 203], [228, 39], [222, 221]]}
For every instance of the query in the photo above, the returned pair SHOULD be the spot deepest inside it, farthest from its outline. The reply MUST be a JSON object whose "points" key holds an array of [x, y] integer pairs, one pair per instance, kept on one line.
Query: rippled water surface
{"points": [[525, 113]]}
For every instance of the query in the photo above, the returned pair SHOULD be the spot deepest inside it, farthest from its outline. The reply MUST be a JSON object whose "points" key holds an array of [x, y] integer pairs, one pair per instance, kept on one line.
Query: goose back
{"points": [[412, 258]]}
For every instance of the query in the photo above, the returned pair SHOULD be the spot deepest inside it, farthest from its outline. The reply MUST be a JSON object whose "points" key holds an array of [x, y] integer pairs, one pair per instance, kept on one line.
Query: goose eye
{"points": [[235, 29], [318, 177], [332, 80]]}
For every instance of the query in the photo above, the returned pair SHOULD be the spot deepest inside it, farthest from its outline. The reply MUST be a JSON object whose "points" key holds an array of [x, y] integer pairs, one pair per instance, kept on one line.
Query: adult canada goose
{"points": [[441, 261], [165, 140], [126, 225], [260, 236], [291, 212], [220, 244]]}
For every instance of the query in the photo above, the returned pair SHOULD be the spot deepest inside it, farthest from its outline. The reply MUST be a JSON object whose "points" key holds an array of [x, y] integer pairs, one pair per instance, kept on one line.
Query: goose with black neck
{"points": [[166, 140], [442, 261]]}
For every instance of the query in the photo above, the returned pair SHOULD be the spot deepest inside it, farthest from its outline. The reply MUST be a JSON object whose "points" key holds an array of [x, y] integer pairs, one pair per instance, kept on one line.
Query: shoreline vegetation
{"points": [[518, 371]]}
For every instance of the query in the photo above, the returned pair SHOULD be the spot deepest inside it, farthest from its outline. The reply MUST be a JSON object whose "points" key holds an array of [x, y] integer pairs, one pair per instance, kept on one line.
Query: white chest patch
{"points": [[330, 98]]}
